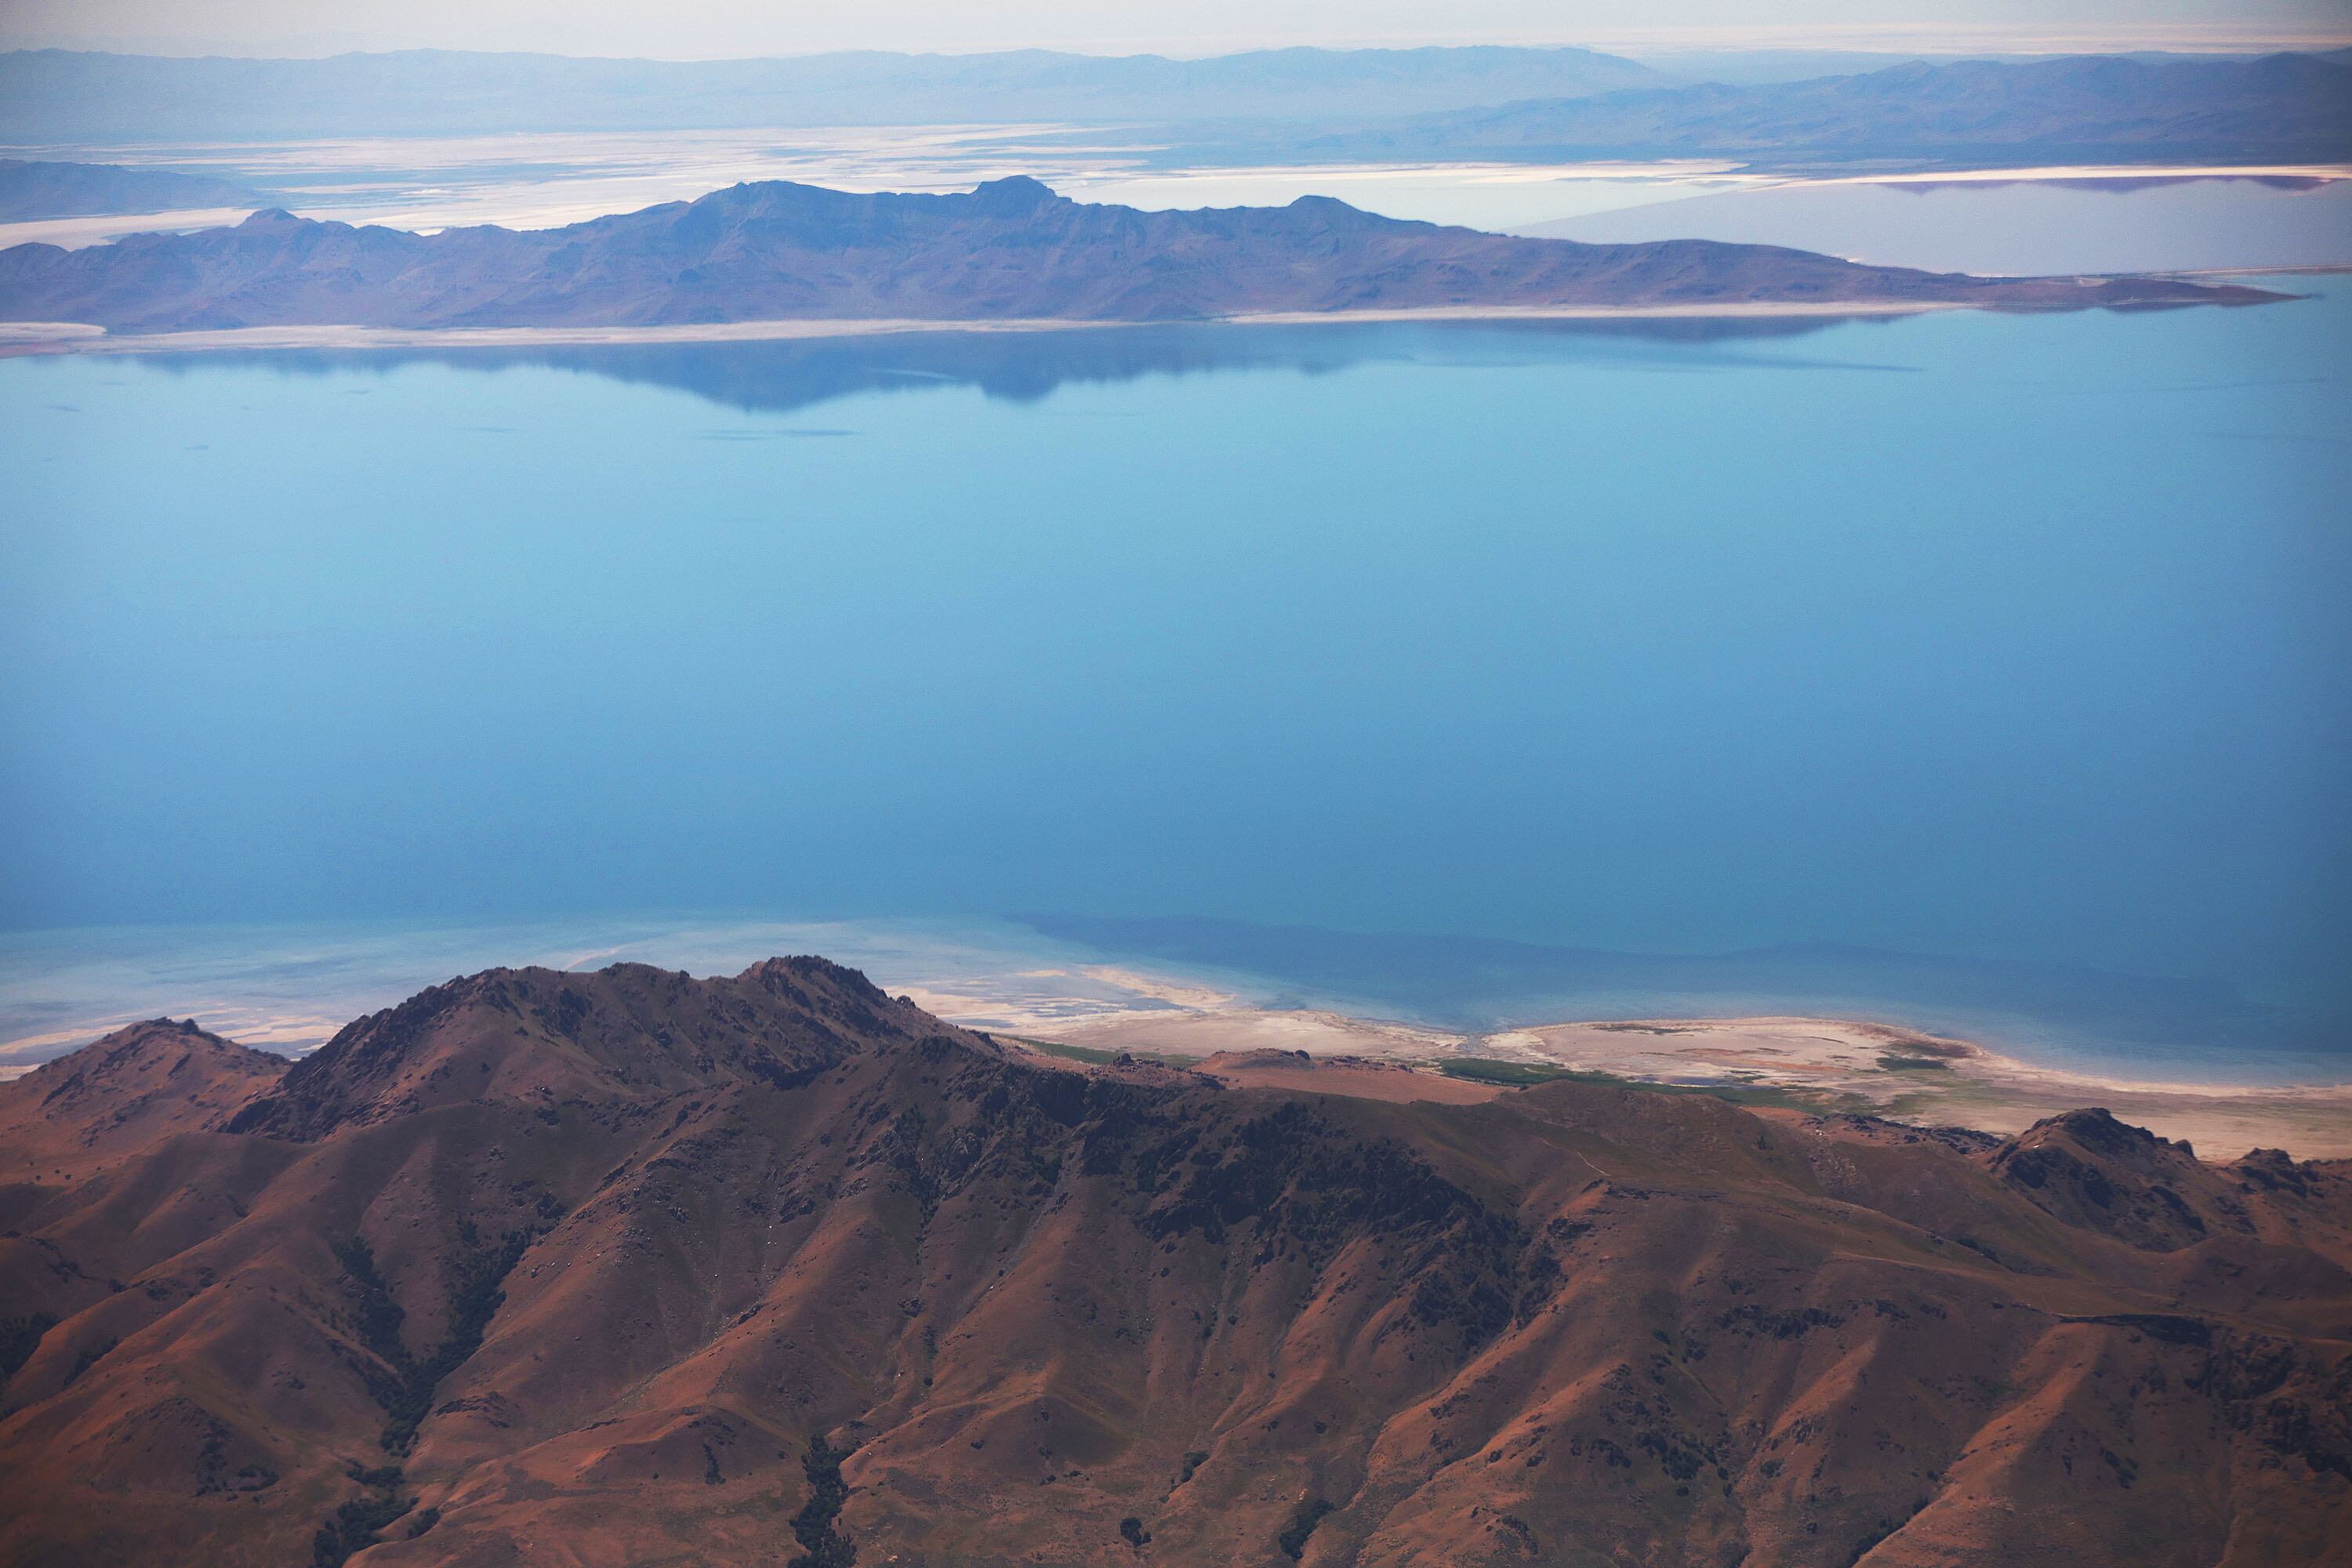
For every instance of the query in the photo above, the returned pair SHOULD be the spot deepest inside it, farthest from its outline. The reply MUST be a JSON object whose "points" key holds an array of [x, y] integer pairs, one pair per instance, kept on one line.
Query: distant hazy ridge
{"points": [[2283, 108], [54, 95], [1275, 105]]}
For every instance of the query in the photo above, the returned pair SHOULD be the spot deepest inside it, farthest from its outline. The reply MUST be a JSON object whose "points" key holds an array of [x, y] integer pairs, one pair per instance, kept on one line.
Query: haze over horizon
{"points": [[722, 29]]}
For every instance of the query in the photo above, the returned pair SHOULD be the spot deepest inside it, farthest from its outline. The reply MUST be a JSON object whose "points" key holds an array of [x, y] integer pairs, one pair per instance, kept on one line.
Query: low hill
{"points": [[124, 1092], [631, 1267], [31, 190], [1012, 250]]}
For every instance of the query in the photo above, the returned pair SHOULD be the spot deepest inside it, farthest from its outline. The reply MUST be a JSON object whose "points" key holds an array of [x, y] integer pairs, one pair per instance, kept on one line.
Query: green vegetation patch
{"points": [[19, 1337], [91, 1354], [1095, 1055], [1517, 1074], [823, 1545], [1292, 1541], [359, 1523], [403, 1386], [1527, 1075]]}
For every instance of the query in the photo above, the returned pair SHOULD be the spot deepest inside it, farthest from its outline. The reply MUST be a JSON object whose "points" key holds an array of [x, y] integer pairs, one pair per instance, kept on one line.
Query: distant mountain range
{"points": [[1011, 249], [629, 1267], [32, 190], [1270, 105], [2284, 108], [53, 96]]}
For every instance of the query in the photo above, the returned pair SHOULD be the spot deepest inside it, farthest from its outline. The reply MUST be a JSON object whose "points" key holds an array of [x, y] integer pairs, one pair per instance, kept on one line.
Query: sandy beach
{"points": [[1816, 1063], [290, 990]]}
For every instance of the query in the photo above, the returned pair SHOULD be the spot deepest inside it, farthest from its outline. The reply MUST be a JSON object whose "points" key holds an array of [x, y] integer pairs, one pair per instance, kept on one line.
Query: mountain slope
{"points": [[2284, 108], [628, 1267], [1009, 250], [84, 1111]]}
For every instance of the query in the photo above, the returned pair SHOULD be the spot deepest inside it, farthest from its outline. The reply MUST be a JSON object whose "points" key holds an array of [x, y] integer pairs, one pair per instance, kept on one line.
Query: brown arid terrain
{"points": [[629, 1267]]}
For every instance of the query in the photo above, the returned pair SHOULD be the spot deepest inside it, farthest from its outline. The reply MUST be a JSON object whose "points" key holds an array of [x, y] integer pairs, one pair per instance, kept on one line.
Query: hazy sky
{"points": [[686, 28]]}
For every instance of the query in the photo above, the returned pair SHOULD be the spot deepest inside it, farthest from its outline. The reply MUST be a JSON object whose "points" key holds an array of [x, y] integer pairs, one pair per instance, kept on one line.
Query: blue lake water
{"points": [[1988, 662], [2116, 222]]}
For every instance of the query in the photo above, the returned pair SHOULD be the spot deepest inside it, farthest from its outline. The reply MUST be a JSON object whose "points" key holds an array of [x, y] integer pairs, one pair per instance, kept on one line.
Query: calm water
{"points": [[2031, 226], [2018, 644]]}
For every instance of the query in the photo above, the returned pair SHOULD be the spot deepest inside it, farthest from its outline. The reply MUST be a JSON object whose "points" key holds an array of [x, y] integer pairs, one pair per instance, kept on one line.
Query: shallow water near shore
{"points": [[2015, 643]]}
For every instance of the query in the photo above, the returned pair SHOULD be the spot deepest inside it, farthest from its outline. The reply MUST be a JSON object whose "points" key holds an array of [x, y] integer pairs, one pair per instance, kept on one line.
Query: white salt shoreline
{"points": [[21, 338], [1906, 1075]]}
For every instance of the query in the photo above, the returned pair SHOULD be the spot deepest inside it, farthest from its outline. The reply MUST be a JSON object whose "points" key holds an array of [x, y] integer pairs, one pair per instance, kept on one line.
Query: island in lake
{"points": [[783, 256]]}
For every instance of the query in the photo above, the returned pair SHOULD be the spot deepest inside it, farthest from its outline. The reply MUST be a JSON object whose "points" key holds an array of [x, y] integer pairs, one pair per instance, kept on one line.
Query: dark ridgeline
{"points": [[778, 1267], [1009, 250]]}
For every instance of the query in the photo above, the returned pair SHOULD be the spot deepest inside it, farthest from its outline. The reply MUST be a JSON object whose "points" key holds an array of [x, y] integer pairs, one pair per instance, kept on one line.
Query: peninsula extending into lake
{"points": [[770, 258]]}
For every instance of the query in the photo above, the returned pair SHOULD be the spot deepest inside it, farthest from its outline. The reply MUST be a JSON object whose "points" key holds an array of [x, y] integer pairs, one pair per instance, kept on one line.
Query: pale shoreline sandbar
{"points": [[23, 338], [1823, 1065]]}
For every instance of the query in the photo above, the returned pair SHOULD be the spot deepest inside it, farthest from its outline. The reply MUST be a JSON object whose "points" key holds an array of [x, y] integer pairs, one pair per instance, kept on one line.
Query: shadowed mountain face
{"points": [[1009, 250], [2282, 108], [628, 1266]]}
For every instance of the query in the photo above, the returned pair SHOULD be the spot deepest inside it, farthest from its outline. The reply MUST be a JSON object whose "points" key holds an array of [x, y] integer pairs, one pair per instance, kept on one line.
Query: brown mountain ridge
{"points": [[633, 1267], [1009, 250]]}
